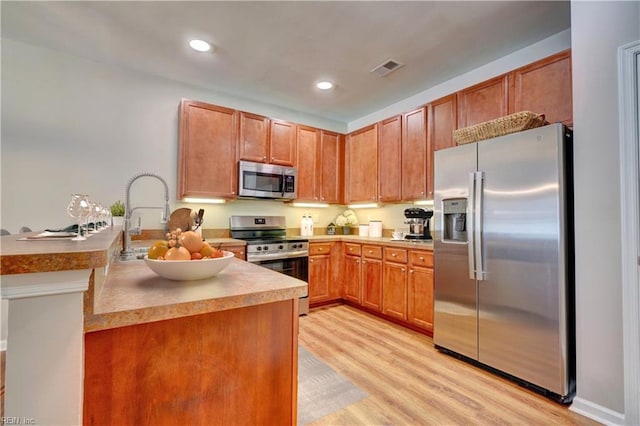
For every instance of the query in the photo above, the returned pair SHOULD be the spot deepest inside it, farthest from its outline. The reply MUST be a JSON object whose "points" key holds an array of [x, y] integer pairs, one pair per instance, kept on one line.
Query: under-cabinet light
{"points": [[312, 205], [423, 202], [363, 206], [204, 200]]}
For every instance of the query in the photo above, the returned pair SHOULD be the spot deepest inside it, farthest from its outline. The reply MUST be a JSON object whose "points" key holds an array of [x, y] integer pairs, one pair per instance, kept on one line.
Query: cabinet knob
{"points": [[393, 254], [357, 261], [272, 158], [411, 271], [370, 251], [421, 258], [310, 260], [403, 269], [319, 248], [364, 261], [264, 158]]}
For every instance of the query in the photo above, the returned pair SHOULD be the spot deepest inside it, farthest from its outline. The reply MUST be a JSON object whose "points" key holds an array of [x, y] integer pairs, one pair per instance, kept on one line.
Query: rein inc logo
{"points": [[15, 420]]}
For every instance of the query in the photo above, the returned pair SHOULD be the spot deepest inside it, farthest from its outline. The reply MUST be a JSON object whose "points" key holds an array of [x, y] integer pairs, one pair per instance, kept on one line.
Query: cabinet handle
{"points": [[264, 158], [393, 254], [403, 269], [370, 251], [233, 192], [319, 248], [357, 261], [310, 260], [364, 261], [421, 258], [273, 158], [411, 271]]}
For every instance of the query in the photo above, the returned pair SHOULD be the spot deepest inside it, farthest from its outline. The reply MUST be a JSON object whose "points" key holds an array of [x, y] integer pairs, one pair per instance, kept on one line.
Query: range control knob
{"points": [[280, 247], [259, 248], [265, 248]]}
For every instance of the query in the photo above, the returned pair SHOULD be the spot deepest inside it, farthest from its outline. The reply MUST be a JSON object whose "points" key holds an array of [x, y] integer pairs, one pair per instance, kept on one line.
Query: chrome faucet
{"points": [[127, 252]]}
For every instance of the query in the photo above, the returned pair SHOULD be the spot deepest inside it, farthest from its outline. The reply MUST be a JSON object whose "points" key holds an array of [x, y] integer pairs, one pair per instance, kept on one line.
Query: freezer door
{"points": [[522, 324], [455, 305]]}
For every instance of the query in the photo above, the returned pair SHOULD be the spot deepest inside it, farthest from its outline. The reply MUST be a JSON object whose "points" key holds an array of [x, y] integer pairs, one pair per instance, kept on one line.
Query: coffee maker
{"points": [[418, 221]]}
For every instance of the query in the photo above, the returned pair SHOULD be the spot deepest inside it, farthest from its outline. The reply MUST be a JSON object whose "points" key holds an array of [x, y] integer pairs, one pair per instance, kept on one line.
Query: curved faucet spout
{"points": [[127, 252]]}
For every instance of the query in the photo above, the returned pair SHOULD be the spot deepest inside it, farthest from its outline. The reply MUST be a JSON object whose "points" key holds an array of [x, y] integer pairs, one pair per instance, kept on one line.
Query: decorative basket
{"points": [[512, 123]]}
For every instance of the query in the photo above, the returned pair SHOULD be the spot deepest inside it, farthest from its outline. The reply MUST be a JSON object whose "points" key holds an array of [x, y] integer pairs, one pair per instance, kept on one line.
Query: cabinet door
{"points": [[352, 269], [331, 169], [545, 87], [282, 143], [319, 268], [362, 166], [254, 138], [238, 251], [483, 102], [207, 151], [420, 303], [394, 300], [308, 163], [442, 123], [414, 155], [372, 283], [390, 164]]}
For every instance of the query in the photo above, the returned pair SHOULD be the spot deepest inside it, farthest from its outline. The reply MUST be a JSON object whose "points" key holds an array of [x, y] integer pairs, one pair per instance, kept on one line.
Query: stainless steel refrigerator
{"points": [[503, 252]]}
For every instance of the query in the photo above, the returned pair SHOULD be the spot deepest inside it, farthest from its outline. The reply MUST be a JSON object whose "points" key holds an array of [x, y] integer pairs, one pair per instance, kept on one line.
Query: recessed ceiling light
{"points": [[200, 45], [324, 85]]}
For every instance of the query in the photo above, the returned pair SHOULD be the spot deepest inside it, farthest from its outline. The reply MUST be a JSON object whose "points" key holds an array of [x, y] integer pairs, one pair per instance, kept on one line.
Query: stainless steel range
{"points": [[269, 246]]}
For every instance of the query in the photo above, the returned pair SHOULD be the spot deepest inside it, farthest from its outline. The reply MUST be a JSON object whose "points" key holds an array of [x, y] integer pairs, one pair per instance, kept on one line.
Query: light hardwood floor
{"points": [[410, 383]]}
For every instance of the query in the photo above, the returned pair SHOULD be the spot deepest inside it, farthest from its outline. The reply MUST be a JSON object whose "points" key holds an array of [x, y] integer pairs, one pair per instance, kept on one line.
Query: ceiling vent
{"points": [[386, 67]]}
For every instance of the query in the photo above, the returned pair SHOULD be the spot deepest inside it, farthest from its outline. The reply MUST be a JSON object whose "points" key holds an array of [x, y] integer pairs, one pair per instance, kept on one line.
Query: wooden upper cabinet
{"points": [[442, 123], [254, 138], [361, 165], [390, 164], [282, 143], [414, 155], [331, 153], [207, 151], [544, 87], [483, 102], [308, 163]]}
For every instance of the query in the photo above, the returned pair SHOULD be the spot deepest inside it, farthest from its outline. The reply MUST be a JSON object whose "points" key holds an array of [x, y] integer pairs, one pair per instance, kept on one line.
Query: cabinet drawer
{"points": [[352, 249], [373, 252], [319, 248], [395, 255], [421, 258]]}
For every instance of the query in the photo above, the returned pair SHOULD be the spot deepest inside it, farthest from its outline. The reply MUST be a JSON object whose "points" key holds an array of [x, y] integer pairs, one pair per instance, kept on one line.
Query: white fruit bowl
{"points": [[188, 270]]}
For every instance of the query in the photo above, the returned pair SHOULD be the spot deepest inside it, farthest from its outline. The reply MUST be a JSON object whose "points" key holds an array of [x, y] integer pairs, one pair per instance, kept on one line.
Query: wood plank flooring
{"points": [[410, 383]]}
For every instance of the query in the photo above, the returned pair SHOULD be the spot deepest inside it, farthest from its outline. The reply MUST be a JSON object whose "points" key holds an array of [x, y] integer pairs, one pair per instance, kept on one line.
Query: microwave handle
{"points": [[283, 184]]}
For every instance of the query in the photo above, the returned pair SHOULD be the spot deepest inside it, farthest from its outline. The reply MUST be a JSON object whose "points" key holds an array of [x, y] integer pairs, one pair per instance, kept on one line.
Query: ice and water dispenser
{"points": [[455, 220]]}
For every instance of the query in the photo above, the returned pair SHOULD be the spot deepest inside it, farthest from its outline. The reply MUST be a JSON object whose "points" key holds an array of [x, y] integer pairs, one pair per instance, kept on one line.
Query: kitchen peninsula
{"points": [[155, 351]]}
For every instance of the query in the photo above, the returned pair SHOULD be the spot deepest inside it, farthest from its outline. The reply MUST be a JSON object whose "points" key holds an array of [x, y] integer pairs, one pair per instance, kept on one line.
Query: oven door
{"points": [[297, 267]]}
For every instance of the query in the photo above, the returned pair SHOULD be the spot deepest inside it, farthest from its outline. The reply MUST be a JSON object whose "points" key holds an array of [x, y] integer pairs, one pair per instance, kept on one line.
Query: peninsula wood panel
{"points": [[408, 382], [390, 164], [207, 166], [545, 87], [231, 367], [483, 102], [253, 144]]}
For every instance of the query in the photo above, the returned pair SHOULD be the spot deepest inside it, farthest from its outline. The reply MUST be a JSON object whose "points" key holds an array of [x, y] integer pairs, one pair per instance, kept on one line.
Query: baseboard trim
{"points": [[3, 345], [596, 412]]}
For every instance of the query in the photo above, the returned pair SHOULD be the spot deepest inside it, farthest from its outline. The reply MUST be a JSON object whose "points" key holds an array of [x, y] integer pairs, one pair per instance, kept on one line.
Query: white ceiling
{"points": [[273, 52]]}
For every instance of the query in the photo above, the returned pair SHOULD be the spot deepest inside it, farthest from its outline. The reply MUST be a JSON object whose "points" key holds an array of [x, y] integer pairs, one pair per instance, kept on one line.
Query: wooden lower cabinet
{"points": [[237, 366], [319, 268], [394, 303], [238, 251], [352, 279], [372, 283], [420, 296]]}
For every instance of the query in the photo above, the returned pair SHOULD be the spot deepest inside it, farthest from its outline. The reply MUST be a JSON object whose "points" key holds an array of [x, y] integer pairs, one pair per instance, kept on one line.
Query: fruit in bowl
{"points": [[184, 256]]}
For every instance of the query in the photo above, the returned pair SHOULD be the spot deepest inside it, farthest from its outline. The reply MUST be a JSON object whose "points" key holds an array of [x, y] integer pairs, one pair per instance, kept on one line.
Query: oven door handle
{"points": [[277, 256]]}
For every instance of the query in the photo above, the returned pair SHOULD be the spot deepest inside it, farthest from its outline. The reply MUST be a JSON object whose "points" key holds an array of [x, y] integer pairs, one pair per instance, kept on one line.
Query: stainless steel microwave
{"points": [[259, 180]]}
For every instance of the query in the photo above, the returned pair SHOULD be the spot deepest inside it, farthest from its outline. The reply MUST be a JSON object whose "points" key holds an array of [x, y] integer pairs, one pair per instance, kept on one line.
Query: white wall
{"points": [[598, 29]]}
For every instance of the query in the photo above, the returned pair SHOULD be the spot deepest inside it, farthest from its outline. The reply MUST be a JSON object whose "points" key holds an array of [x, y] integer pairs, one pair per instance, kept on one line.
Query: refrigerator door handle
{"points": [[477, 226], [471, 226]]}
